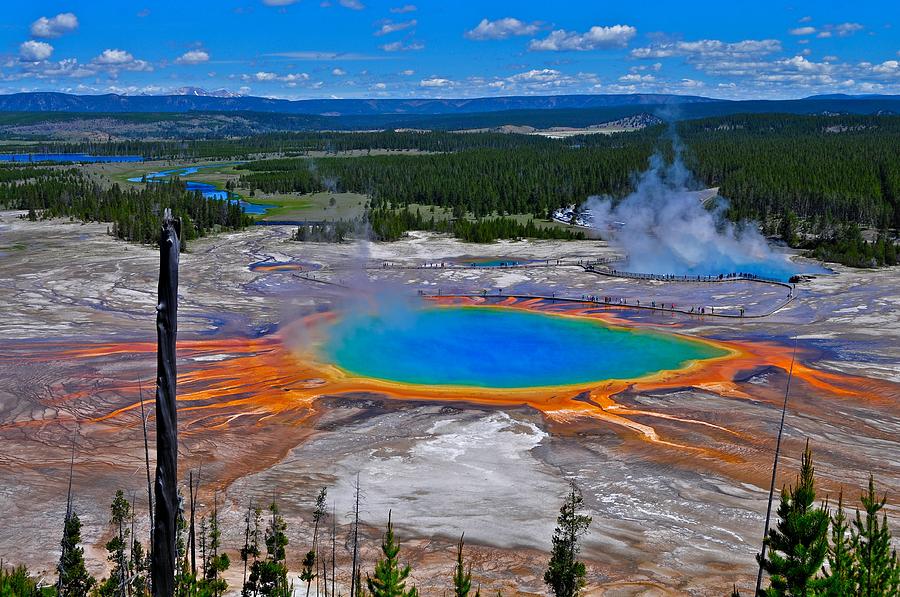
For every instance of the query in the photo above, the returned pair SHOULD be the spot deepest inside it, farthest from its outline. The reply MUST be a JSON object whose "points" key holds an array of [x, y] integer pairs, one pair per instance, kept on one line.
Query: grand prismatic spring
{"points": [[499, 348], [467, 385], [302, 364]]}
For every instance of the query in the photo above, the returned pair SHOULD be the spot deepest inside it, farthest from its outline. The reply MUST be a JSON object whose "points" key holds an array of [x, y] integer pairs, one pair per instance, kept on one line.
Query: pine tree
{"points": [[462, 576], [389, 578], [877, 567], [74, 580], [120, 513], [840, 573], [140, 567], [309, 562], [19, 583], [268, 577], [251, 546], [797, 546], [565, 574], [308, 571], [216, 563]]}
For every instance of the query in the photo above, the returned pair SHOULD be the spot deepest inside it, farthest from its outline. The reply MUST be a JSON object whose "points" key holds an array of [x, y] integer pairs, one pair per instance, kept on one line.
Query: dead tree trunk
{"points": [[166, 502], [147, 465]]}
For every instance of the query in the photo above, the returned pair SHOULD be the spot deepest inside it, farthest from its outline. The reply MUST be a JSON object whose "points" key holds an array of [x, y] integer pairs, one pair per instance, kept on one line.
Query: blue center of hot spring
{"points": [[501, 348]]}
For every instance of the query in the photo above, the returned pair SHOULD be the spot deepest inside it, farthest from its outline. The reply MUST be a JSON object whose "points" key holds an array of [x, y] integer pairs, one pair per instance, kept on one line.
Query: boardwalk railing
{"points": [[732, 277]]}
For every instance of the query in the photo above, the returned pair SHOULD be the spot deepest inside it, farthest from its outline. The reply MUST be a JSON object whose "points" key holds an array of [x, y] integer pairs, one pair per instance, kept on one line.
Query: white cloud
{"points": [[840, 30], [805, 19], [544, 75], [398, 46], [501, 29], [888, 67], [111, 61], [114, 57], [267, 77], [64, 22], [436, 83], [316, 56], [399, 10], [35, 51], [193, 57], [338, 72], [408, 72], [279, 2], [802, 31], [594, 38], [845, 29], [51, 70], [389, 26], [709, 48], [636, 78], [35, 64], [535, 81], [352, 4], [379, 86]]}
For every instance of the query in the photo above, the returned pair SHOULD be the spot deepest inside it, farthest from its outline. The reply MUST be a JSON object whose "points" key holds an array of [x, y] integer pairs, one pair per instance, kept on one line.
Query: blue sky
{"points": [[415, 48]]}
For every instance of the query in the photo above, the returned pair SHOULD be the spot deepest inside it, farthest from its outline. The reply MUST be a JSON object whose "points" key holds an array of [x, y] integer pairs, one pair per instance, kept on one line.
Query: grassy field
{"points": [[441, 213], [313, 206]]}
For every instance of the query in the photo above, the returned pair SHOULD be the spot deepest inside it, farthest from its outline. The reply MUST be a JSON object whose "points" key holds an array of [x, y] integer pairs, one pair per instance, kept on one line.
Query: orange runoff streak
{"points": [[255, 379]]}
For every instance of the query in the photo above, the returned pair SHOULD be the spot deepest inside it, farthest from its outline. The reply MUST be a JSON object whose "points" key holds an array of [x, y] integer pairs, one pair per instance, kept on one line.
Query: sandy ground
{"points": [[665, 522]]}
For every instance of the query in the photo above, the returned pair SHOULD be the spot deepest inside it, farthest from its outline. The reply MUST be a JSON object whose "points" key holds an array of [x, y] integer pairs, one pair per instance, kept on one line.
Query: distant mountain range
{"points": [[196, 99], [845, 96], [666, 106], [198, 113]]}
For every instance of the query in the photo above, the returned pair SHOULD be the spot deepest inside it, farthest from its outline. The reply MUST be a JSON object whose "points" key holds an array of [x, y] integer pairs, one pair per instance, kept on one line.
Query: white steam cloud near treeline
{"points": [[663, 227]]}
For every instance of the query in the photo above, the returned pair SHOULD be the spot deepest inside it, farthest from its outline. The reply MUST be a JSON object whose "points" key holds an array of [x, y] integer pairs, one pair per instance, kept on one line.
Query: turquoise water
{"points": [[204, 188], [500, 348]]}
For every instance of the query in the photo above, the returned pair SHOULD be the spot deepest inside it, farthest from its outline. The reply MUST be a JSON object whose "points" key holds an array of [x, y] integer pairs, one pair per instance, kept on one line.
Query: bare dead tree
{"points": [[147, 463], [192, 532], [353, 579], [166, 486], [333, 541], [762, 553], [62, 555], [246, 550]]}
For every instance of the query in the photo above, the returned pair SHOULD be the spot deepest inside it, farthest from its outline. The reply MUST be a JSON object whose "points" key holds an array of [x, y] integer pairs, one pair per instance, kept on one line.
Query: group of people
{"points": [[680, 278], [622, 301]]}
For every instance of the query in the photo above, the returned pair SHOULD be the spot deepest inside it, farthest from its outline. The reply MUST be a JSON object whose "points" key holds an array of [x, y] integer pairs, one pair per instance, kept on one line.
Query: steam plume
{"points": [[664, 228]]}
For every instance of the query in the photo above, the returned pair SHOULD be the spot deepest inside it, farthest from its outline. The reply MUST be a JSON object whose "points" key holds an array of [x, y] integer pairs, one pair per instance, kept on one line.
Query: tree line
{"points": [[832, 168], [818, 550], [814, 550], [296, 143], [133, 213], [383, 224], [482, 182], [263, 557]]}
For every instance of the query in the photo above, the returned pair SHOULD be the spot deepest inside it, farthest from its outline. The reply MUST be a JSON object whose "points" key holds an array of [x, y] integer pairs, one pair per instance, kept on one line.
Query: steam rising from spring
{"points": [[664, 228]]}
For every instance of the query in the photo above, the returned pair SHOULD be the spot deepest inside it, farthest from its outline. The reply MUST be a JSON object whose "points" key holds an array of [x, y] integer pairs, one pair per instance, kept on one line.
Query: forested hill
{"points": [[63, 102], [438, 113], [826, 170]]}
